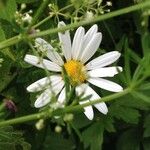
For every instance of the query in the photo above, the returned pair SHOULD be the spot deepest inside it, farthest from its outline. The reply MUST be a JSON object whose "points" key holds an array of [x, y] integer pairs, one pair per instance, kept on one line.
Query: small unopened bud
{"points": [[39, 124], [68, 117], [143, 23], [30, 11], [23, 6], [107, 10], [10, 105], [27, 18], [58, 129], [89, 14], [50, 5], [108, 3]]}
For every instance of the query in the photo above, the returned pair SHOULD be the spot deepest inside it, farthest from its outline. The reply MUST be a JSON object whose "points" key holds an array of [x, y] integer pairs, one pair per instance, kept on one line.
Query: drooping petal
{"points": [[103, 60], [88, 36], [88, 110], [44, 83], [100, 106], [91, 47], [62, 96], [45, 47], [46, 96], [105, 72], [105, 84], [77, 42], [42, 63], [43, 99], [65, 41]]}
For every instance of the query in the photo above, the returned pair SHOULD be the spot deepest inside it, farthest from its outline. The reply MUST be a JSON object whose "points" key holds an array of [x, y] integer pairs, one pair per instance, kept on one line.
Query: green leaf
{"points": [[5, 51], [145, 86], [10, 139], [147, 126], [80, 120], [127, 114], [55, 141], [2, 34], [93, 136], [141, 96], [8, 10], [146, 43], [129, 140], [132, 102], [108, 123]]}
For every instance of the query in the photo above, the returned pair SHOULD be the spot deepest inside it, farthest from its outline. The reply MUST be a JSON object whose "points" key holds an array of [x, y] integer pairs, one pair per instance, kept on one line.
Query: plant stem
{"points": [[41, 22], [23, 119], [69, 109], [96, 19], [38, 13], [126, 10]]}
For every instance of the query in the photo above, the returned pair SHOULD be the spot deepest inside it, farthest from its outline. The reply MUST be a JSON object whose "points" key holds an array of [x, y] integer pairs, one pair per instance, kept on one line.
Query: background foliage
{"points": [[127, 125]]}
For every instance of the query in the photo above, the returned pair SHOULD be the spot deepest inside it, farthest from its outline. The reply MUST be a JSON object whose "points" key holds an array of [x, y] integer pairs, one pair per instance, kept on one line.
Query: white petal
{"points": [[103, 60], [88, 91], [43, 99], [77, 42], [42, 63], [105, 72], [91, 47], [105, 84], [44, 46], [88, 36], [43, 83], [65, 41], [100, 106], [62, 96], [58, 87], [88, 110]]}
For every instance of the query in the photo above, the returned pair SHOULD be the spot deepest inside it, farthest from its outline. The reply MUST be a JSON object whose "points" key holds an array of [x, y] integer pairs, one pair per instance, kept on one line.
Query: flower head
{"points": [[79, 69]]}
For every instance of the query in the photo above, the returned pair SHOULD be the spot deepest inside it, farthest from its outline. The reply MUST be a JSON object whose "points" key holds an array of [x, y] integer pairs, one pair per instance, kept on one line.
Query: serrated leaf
{"points": [[57, 141], [127, 114], [10, 139], [141, 96], [93, 136], [108, 123], [80, 121]]}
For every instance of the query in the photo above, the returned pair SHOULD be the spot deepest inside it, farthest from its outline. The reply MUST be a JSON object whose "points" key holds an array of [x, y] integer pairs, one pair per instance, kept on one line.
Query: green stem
{"points": [[41, 22], [68, 109], [23, 119], [38, 13], [10, 41], [96, 19], [126, 10]]}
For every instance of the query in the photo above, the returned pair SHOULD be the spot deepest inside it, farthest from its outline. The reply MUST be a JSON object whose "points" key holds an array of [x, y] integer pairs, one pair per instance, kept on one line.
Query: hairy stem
{"points": [[69, 109], [126, 10]]}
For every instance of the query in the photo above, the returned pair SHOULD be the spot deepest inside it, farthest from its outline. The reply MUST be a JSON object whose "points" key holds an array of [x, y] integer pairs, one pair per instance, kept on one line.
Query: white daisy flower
{"points": [[80, 70]]}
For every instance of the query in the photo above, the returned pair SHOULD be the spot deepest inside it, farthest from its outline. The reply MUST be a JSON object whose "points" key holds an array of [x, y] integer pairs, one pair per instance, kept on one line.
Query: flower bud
{"points": [[39, 124], [58, 129]]}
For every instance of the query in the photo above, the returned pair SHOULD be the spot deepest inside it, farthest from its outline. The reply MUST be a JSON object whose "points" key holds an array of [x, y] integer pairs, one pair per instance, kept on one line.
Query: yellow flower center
{"points": [[76, 71]]}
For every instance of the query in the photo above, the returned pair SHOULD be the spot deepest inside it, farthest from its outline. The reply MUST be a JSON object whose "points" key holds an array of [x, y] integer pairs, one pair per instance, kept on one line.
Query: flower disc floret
{"points": [[76, 72]]}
